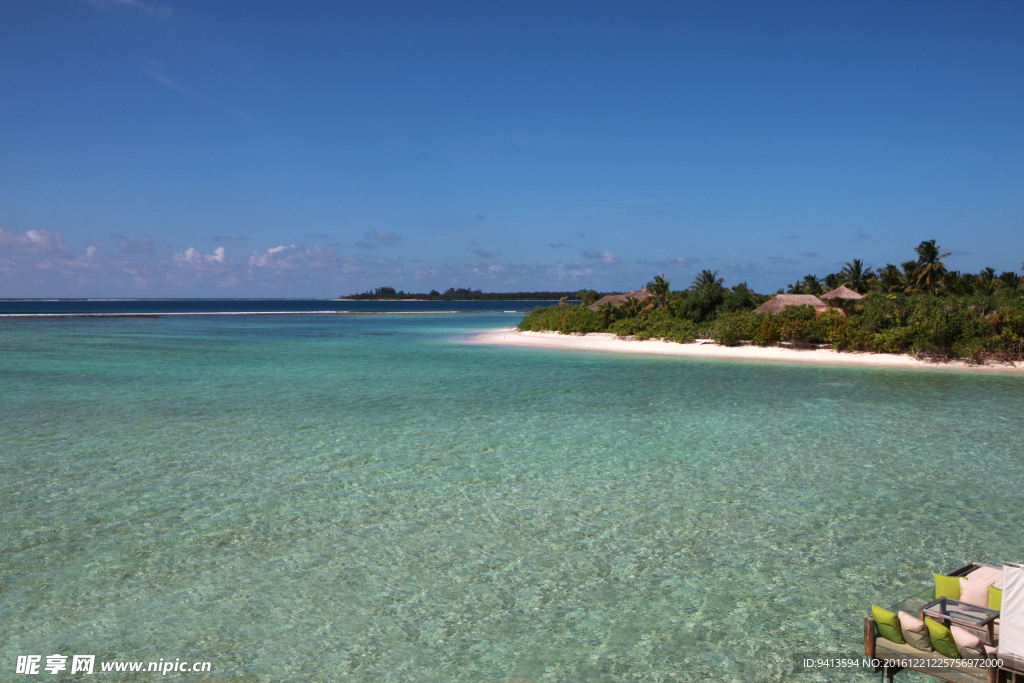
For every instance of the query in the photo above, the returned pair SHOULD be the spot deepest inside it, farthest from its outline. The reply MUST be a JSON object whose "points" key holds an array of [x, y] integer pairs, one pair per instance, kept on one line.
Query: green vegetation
{"points": [[919, 307], [927, 275], [682, 316], [461, 294]]}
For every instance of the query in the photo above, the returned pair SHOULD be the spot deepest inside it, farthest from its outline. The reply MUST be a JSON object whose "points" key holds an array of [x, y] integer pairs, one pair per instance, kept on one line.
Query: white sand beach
{"points": [[510, 336]]}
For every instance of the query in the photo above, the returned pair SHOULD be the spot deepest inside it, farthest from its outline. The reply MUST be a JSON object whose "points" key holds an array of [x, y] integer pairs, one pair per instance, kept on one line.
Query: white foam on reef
{"points": [[161, 314]]}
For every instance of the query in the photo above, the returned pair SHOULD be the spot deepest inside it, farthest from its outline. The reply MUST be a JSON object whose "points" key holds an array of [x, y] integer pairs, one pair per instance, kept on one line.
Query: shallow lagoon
{"points": [[310, 498]]}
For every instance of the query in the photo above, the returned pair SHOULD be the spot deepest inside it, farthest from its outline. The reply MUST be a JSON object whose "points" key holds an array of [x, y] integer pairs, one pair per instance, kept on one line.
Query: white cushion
{"points": [[964, 638], [974, 592], [915, 632], [993, 576]]}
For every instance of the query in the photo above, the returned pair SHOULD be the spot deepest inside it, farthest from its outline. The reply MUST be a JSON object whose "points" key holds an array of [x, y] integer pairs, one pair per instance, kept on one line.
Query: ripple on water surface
{"points": [[343, 498]]}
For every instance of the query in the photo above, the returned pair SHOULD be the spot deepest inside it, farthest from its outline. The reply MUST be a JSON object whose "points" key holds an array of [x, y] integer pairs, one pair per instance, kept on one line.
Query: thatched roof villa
{"points": [[780, 301], [843, 292], [639, 295], [773, 305]]}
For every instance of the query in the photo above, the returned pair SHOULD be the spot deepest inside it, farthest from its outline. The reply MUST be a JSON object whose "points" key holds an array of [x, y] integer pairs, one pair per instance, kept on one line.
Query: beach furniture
{"points": [[962, 613], [951, 636]]}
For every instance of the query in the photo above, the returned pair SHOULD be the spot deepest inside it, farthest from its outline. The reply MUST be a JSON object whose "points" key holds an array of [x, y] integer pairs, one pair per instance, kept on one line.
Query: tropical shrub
{"points": [[989, 324], [726, 331], [564, 319]]}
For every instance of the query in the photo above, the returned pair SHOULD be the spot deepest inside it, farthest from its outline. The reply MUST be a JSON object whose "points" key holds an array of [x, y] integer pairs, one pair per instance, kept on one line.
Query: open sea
{"points": [[321, 497]]}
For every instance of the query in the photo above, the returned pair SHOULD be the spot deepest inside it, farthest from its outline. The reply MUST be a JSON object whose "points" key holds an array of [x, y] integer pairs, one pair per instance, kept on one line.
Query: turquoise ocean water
{"points": [[368, 498]]}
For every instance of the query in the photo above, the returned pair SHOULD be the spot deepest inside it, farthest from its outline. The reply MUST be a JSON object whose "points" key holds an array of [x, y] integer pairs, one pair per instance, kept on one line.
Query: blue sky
{"points": [[187, 148]]}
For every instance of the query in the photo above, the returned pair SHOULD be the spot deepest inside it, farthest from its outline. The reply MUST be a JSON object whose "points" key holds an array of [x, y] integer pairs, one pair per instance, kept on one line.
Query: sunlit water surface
{"points": [[367, 498]]}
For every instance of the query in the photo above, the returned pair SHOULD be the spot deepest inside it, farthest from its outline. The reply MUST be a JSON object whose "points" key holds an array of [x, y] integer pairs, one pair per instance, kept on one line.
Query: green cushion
{"points": [[942, 638], [947, 587], [995, 597], [888, 624]]}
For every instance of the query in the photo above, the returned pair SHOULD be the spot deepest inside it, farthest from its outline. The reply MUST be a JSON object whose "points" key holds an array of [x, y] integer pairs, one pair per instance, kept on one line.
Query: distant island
{"points": [[461, 294], [919, 308]]}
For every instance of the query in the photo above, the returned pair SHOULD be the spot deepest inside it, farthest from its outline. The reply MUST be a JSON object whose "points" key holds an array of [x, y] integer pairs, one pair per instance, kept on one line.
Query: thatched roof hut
{"points": [[780, 301], [639, 294], [842, 292]]}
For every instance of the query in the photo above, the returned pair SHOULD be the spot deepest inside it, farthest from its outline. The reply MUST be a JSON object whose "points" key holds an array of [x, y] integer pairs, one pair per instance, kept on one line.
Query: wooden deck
{"points": [[895, 657]]}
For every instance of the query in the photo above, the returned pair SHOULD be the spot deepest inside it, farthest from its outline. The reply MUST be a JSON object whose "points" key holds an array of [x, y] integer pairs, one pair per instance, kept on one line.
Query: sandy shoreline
{"points": [[510, 336]]}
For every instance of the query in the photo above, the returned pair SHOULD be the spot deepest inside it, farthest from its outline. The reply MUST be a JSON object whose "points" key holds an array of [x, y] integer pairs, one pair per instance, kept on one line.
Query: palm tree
{"points": [[930, 269], [892, 279], [658, 287], [812, 285], [706, 280], [741, 298], [909, 268], [987, 282], [630, 308], [610, 312], [958, 285], [635, 308], [856, 277], [706, 295], [1010, 279], [587, 296]]}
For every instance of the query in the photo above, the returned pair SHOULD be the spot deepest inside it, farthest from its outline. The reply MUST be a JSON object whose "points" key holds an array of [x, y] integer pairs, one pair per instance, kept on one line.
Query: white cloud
{"points": [[678, 262], [272, 254], [493, 271], [604, 256], [560, 271], [37, 241], [289, 258], [193, 259], [66, 266]]}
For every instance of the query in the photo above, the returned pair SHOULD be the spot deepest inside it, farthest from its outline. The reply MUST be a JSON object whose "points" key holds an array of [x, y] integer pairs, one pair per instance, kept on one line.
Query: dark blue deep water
{"points": [[179, 306]]}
